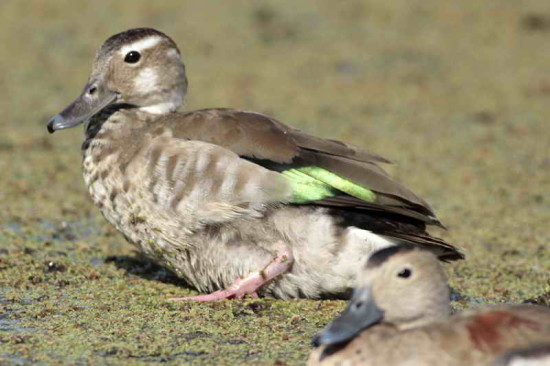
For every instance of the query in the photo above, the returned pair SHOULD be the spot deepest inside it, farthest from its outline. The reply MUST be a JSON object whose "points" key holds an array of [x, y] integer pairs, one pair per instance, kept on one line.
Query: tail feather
{"points": [[443, 250]]}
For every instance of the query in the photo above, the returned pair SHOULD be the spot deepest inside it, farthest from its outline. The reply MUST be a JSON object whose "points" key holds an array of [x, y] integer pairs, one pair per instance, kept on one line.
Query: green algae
{"points": [[458, 99], [71, 308]]}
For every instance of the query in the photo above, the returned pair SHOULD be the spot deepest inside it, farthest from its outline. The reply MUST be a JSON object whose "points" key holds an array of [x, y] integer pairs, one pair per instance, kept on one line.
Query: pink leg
{"points": [[251, 283]]}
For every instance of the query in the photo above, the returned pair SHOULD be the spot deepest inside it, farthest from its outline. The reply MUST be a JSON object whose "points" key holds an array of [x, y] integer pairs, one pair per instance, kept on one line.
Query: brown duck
{"points": [[399, 315], [232, 201]]}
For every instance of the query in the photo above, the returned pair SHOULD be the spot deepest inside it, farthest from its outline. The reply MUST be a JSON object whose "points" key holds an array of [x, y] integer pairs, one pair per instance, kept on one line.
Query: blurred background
{"points": [[456, 93]]}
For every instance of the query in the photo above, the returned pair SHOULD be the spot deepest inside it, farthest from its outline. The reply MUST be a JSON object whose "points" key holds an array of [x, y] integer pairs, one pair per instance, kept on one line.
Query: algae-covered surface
{"points": [[457, 93]]}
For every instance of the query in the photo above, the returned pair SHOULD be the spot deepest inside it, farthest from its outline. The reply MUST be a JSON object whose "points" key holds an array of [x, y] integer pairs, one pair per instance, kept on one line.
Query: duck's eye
{"points": [[92, 90], [404, 273], [132, 57]]}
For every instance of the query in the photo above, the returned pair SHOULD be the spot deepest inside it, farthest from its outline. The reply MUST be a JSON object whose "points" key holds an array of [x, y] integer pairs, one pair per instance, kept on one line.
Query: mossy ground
{"points": [[458, 93]]}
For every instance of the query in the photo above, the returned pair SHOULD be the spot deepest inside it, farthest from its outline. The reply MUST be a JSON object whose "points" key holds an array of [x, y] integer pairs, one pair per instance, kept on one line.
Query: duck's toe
{"points": [[250, 284]]}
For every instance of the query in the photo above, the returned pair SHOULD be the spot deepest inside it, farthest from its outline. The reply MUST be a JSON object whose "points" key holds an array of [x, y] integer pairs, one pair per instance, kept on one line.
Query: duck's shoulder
{"points": [[245, 133], [260, 136], [491, 330], [503, 319], [504, 315]]}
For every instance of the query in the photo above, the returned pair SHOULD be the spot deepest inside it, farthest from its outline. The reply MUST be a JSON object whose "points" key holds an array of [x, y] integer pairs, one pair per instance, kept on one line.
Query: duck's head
{"points": [[399, 285], [141, 67]]}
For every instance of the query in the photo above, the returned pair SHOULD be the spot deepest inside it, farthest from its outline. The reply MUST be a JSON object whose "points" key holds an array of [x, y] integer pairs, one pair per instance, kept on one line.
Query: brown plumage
{"points": [[204, 192], [256, 136], [399, 315]]}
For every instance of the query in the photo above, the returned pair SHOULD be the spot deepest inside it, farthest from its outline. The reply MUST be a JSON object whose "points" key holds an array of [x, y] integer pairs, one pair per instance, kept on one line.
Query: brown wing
{"points": [[259, 137]]}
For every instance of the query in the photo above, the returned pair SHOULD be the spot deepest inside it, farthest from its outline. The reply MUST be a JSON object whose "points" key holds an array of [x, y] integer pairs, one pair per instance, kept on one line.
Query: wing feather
{"points": [[275, 145]]}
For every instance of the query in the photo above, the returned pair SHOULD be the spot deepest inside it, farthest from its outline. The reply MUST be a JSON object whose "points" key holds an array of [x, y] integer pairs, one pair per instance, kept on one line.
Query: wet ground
{"points": [[458, 94]]}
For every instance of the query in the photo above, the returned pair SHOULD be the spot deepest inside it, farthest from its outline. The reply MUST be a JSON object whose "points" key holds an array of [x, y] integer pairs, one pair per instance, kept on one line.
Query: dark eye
{"points": [[92, 90], [404, 273], [132, 57]]}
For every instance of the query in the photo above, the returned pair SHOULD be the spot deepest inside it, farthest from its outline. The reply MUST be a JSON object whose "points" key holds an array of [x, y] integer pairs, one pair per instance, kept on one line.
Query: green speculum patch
{"points": [[312, 183]]}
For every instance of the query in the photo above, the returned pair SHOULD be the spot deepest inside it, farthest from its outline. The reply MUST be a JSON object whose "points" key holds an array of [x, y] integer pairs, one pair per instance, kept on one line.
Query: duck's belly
{"points": [[211, 255]]}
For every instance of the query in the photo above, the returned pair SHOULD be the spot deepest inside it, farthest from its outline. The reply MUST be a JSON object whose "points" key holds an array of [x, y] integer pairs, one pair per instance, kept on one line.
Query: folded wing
{"points": [[281, 148]]}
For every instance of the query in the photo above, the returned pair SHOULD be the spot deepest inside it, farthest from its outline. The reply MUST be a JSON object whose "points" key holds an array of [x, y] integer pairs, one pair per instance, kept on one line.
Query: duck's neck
{"points": [[104, 121], [111, 139], [433, 312], [420, 322]]}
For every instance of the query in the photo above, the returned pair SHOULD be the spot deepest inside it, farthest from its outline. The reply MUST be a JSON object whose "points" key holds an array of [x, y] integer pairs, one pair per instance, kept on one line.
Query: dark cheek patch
{"points": [[486, 330]]}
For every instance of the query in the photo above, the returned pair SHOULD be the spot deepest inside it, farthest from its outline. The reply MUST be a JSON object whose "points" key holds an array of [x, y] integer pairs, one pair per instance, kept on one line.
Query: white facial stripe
{"points": [[141, 45]]}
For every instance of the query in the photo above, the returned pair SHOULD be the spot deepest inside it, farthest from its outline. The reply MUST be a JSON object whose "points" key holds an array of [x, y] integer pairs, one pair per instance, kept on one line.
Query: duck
{"points": [[234, 202], [399, 314]]}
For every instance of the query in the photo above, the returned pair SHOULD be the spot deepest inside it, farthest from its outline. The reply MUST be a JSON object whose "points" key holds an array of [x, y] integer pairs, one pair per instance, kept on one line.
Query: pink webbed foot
{"points": [[251, 283]]}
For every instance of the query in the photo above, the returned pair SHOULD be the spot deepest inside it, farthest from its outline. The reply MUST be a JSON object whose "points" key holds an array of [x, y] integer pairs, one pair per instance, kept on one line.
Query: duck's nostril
{"points": [[92, 90]]}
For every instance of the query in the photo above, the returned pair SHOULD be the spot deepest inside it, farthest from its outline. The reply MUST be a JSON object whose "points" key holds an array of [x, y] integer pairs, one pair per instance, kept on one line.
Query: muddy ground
{"points": [[457, 93]]}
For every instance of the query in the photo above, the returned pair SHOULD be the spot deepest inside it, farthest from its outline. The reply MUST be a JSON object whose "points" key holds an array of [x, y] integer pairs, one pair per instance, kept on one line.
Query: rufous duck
{"points": [[399, 315]]}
